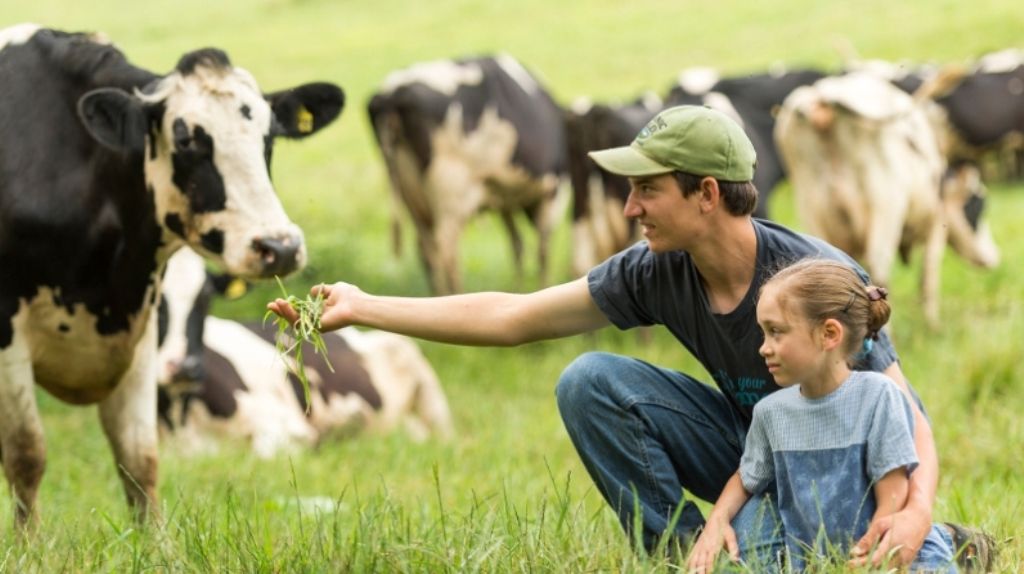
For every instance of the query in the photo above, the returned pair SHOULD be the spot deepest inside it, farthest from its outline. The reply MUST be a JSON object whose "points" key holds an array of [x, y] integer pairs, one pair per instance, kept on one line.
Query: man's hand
{"points": [[337, 313], [896, 537]]}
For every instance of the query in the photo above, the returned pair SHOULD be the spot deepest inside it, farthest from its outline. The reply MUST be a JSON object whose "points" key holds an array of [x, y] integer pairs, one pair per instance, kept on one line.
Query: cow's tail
{"points": [[942, 83], [385, 123]]}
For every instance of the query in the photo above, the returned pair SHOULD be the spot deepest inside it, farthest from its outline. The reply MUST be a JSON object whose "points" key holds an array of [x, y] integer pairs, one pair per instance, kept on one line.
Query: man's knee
{"points": [[583, 378]]}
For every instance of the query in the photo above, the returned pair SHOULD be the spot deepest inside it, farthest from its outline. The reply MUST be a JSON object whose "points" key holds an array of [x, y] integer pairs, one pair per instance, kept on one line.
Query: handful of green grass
{"points": [[290, 339]]}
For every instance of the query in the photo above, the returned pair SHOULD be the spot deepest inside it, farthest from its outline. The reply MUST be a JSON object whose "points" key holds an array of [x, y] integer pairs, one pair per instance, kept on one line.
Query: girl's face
{"points": [[793, 348]]}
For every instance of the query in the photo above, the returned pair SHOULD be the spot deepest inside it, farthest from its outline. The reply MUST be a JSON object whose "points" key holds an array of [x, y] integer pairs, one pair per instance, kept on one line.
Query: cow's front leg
{"points": [[129, 418], [931, 269], [22, 445]]}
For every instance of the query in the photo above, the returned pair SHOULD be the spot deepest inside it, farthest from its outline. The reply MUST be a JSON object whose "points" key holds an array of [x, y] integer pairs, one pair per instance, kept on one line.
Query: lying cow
{"points": [[223, 379], [464, 136], [867, 174], [105, 170]]}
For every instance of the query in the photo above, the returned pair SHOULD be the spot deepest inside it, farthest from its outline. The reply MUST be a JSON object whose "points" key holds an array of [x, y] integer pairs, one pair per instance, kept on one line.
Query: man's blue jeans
{"points": [[659, 433]]}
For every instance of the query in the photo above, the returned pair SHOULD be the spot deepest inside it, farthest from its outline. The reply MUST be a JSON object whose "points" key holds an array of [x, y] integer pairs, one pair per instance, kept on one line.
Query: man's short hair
{"points": [[739, 197]]}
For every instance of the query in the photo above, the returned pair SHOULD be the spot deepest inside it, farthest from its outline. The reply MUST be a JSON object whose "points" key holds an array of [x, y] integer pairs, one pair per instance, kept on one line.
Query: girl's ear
{"points": [[832, 334]]}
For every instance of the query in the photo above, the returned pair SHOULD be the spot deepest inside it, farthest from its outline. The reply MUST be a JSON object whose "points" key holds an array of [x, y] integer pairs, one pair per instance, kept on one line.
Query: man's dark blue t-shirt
{"points": [[638, 287]]}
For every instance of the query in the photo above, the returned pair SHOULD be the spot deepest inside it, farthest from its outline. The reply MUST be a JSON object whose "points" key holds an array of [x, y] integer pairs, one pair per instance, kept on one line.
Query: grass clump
{"points": [[291, 339]]}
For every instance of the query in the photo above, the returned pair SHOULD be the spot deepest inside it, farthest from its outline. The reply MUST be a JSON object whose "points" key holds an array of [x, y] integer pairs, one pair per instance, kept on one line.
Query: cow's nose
{"points": [[279, 255], [190, 370]]}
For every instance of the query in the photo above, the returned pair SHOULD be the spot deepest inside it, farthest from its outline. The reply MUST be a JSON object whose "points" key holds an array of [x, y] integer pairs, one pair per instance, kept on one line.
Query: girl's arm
{"points": [[907, 528], [718, 529], [891, 493]]}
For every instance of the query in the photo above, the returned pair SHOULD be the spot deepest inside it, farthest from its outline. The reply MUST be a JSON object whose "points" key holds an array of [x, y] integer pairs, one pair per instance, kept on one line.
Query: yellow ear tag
{"points": [[303, 120], [236, 289]]}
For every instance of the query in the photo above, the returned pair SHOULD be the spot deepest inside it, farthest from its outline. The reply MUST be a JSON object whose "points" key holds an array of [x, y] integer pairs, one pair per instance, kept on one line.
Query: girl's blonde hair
{"points": [[821, 289]]}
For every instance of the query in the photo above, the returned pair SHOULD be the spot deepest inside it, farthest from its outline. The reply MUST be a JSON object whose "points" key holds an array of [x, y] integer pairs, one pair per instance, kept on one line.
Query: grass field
{"points": [[508, 494]]}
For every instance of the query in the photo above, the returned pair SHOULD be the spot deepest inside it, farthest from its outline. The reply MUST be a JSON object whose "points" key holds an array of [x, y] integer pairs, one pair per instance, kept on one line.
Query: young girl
{"points": [[835, 445]]}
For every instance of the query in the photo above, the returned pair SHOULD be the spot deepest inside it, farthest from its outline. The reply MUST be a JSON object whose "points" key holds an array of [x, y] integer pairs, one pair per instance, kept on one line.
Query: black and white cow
{"points": [[224, 379], [599, 228], [105, 170], [979, 107], [983, 107], [753, 101], [463, 136]]}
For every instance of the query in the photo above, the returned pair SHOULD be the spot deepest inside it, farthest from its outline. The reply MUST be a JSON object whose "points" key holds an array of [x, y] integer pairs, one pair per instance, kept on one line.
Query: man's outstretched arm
{"points": [[485, 319]]}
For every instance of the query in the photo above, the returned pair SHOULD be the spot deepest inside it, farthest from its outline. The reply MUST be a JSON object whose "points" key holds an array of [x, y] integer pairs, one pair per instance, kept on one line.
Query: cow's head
{"points": [[206, 132], [963, 202]]}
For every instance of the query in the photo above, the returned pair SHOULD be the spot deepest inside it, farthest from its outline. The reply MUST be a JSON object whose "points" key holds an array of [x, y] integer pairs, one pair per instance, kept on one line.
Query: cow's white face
{"points": [[207, 163], [204, 133]]}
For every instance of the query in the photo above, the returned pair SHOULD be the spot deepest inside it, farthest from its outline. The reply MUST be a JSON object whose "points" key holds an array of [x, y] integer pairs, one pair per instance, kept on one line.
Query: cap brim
{"points": [[627, 161]]}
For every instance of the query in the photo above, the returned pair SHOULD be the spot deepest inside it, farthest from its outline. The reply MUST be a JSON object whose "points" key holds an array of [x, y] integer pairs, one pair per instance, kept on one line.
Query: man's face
{"points": [[666, 217]]}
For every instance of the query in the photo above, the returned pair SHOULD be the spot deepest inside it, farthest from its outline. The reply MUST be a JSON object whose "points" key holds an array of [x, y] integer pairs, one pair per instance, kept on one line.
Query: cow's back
{"points": [[420, 106]]}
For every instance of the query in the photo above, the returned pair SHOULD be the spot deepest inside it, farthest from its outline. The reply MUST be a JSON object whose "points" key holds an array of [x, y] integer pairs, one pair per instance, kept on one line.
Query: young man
{"points": [[639, 428]]}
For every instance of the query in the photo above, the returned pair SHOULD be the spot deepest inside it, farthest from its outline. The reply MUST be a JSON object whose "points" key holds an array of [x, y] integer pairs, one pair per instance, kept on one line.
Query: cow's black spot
{"points": [[222, 380], [154, 117], [347, 377], [63, 327], [194, 171], [207, 57], [213, 241], [173, 222], [246, 112], [268, 151], [163, 319]]}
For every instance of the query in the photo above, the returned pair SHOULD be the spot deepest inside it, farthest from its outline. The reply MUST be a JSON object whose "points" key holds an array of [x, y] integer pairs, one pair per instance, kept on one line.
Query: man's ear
{"points": [[710, 194], [114, 118]]}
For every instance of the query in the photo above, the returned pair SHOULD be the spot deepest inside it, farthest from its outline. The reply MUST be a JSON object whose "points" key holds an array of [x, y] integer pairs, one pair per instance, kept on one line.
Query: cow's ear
{"points": [[303, 110], [114, 118], [228, 285]]}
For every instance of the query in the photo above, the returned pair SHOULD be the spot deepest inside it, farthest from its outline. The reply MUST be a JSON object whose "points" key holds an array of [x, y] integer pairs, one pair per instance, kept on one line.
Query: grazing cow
{"points": [[599, 228], [867, 174], [464, 136], [220, 378], [753, 101], [105, 170], [980, 108]]}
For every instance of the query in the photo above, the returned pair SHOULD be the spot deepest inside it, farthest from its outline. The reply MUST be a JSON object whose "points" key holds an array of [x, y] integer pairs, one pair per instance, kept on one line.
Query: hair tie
{"points": [[869, 343], [877, 293]]}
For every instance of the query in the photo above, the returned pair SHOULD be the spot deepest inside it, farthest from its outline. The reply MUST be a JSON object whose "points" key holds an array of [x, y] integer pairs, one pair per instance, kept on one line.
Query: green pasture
{"points": [[508, 493]]}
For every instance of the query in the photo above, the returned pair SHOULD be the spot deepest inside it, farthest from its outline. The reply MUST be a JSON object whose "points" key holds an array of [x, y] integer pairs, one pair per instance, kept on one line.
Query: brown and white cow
{"points": [[464, 136], [868, 176], [222, 379], [105, 170]]}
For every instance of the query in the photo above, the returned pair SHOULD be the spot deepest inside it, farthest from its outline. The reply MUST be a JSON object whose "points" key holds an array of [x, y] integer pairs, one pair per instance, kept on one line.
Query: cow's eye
{"points": [[182, 136]]}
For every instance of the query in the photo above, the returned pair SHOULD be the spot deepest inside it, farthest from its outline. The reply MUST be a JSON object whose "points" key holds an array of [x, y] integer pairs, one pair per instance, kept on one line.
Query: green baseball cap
{"points": [[694, 139]]}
